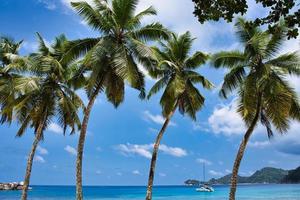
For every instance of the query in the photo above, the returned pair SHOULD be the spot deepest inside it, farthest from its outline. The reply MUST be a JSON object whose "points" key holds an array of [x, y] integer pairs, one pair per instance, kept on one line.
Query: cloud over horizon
{"points": [[145, 150]]}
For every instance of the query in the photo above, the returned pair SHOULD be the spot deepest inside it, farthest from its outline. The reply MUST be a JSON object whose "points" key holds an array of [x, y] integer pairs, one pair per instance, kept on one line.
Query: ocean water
{"points": [[245, 192]]}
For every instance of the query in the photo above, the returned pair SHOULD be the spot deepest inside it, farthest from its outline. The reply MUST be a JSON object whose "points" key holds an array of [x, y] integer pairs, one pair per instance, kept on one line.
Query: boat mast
{"points": [[203, 172]]}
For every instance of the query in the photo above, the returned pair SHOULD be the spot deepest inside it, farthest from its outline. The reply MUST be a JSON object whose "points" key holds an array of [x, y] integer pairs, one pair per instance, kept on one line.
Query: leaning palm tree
{"points": [[260, 77], [111, 59], [177, 76], [44, 96]]}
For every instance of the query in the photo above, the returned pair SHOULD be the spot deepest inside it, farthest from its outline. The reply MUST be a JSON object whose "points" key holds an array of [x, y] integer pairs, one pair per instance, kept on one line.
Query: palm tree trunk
{"points": [[154, 155], [80, 146], [241, 151], [37, 138]]}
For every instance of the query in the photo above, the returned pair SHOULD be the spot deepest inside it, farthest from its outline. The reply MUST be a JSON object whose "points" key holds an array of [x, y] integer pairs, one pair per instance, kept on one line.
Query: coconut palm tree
{"points": [[259, 75], [112, 58], [8, 45], [44, 96], [178, 79]]}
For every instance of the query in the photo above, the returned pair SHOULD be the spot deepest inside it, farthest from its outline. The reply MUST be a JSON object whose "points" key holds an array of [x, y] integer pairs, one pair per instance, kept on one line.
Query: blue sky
{"points": [[118, 144]]}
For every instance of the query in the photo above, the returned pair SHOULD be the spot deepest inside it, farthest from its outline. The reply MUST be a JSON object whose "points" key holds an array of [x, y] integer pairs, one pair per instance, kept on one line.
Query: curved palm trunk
{"points": [[154, 155], [80, 147], [241, 152], [37, 138]]}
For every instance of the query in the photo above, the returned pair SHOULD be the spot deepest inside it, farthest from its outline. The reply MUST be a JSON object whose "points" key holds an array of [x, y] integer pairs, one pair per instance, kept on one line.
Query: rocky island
{"points": [[11, 186]]}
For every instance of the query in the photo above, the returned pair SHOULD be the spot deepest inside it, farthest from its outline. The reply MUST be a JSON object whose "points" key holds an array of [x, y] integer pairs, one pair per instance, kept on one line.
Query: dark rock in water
{"points": [[11, 186], [192, 182], [20, 187]]}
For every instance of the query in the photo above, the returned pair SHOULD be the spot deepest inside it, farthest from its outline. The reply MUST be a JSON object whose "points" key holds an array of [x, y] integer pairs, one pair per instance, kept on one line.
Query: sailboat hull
{"points": [[203, 189]]}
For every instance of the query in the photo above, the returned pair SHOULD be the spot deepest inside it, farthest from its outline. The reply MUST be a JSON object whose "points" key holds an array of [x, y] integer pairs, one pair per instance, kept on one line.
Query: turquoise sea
{"points": [[245, 192]]}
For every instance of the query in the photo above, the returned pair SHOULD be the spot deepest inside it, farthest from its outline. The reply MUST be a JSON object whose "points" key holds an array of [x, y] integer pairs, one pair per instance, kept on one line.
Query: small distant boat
{"points": [[205, 187]]}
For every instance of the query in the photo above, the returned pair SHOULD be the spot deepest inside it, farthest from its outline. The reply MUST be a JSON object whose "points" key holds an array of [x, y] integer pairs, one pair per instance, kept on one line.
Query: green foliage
{"points": [[227, 9], [258, 74], [176, 76], [8, 46], [293, 176], [40, 89], [265, 175], [112, 59]]}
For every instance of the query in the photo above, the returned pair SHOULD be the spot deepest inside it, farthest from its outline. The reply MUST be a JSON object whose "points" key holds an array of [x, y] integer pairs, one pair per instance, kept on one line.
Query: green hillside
{"points": [[293, 176], [265, 175]]}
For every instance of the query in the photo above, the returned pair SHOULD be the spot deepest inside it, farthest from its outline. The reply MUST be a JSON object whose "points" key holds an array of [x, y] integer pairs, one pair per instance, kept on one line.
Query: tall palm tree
{"points": [[259, 75], [178, 78], [44, 96], [112, 58]]}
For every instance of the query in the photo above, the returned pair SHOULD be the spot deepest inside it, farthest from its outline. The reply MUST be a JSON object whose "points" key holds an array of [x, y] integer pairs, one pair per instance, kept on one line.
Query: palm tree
{"points": [[8, 46], [111, 59], [44, 96], [260, 77], [177, 76]]}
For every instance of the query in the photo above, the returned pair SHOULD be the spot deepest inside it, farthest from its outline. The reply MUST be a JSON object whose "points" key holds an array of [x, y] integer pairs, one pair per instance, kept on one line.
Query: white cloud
{"points": [[225, 120], [49, 4], [129, 149], [39, 159], [203, 161], [290, 46], [158, 119], [136, 172], [29, 46], [295, 83], [42, 150], [173, 151], [215, 173], [68, 2], [259, 144], [198, 126], [145, 150], [228, 171], [71, 150], [55, 128], [146, 73]]}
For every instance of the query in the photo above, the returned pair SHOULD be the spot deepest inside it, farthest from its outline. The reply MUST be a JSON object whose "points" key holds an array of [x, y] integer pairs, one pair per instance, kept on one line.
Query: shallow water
{"points": [[245, 192]]}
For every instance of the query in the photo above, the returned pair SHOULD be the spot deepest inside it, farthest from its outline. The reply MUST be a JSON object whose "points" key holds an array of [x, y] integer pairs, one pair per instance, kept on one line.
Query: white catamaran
{"points": [[205, 187]]}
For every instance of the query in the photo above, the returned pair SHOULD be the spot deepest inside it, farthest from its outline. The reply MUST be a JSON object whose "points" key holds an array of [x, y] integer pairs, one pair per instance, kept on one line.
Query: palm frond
{"points": [[195, 77], [43, 49], [154, 31], [78, 48], [232, 80], [123, 11], [160, 84], [91, 16], [287, 63], [196, 60], [228, 59]]}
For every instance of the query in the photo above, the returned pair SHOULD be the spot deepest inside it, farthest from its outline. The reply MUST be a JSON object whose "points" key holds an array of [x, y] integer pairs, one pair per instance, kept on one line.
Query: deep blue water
{"points": [[245, 192]]}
